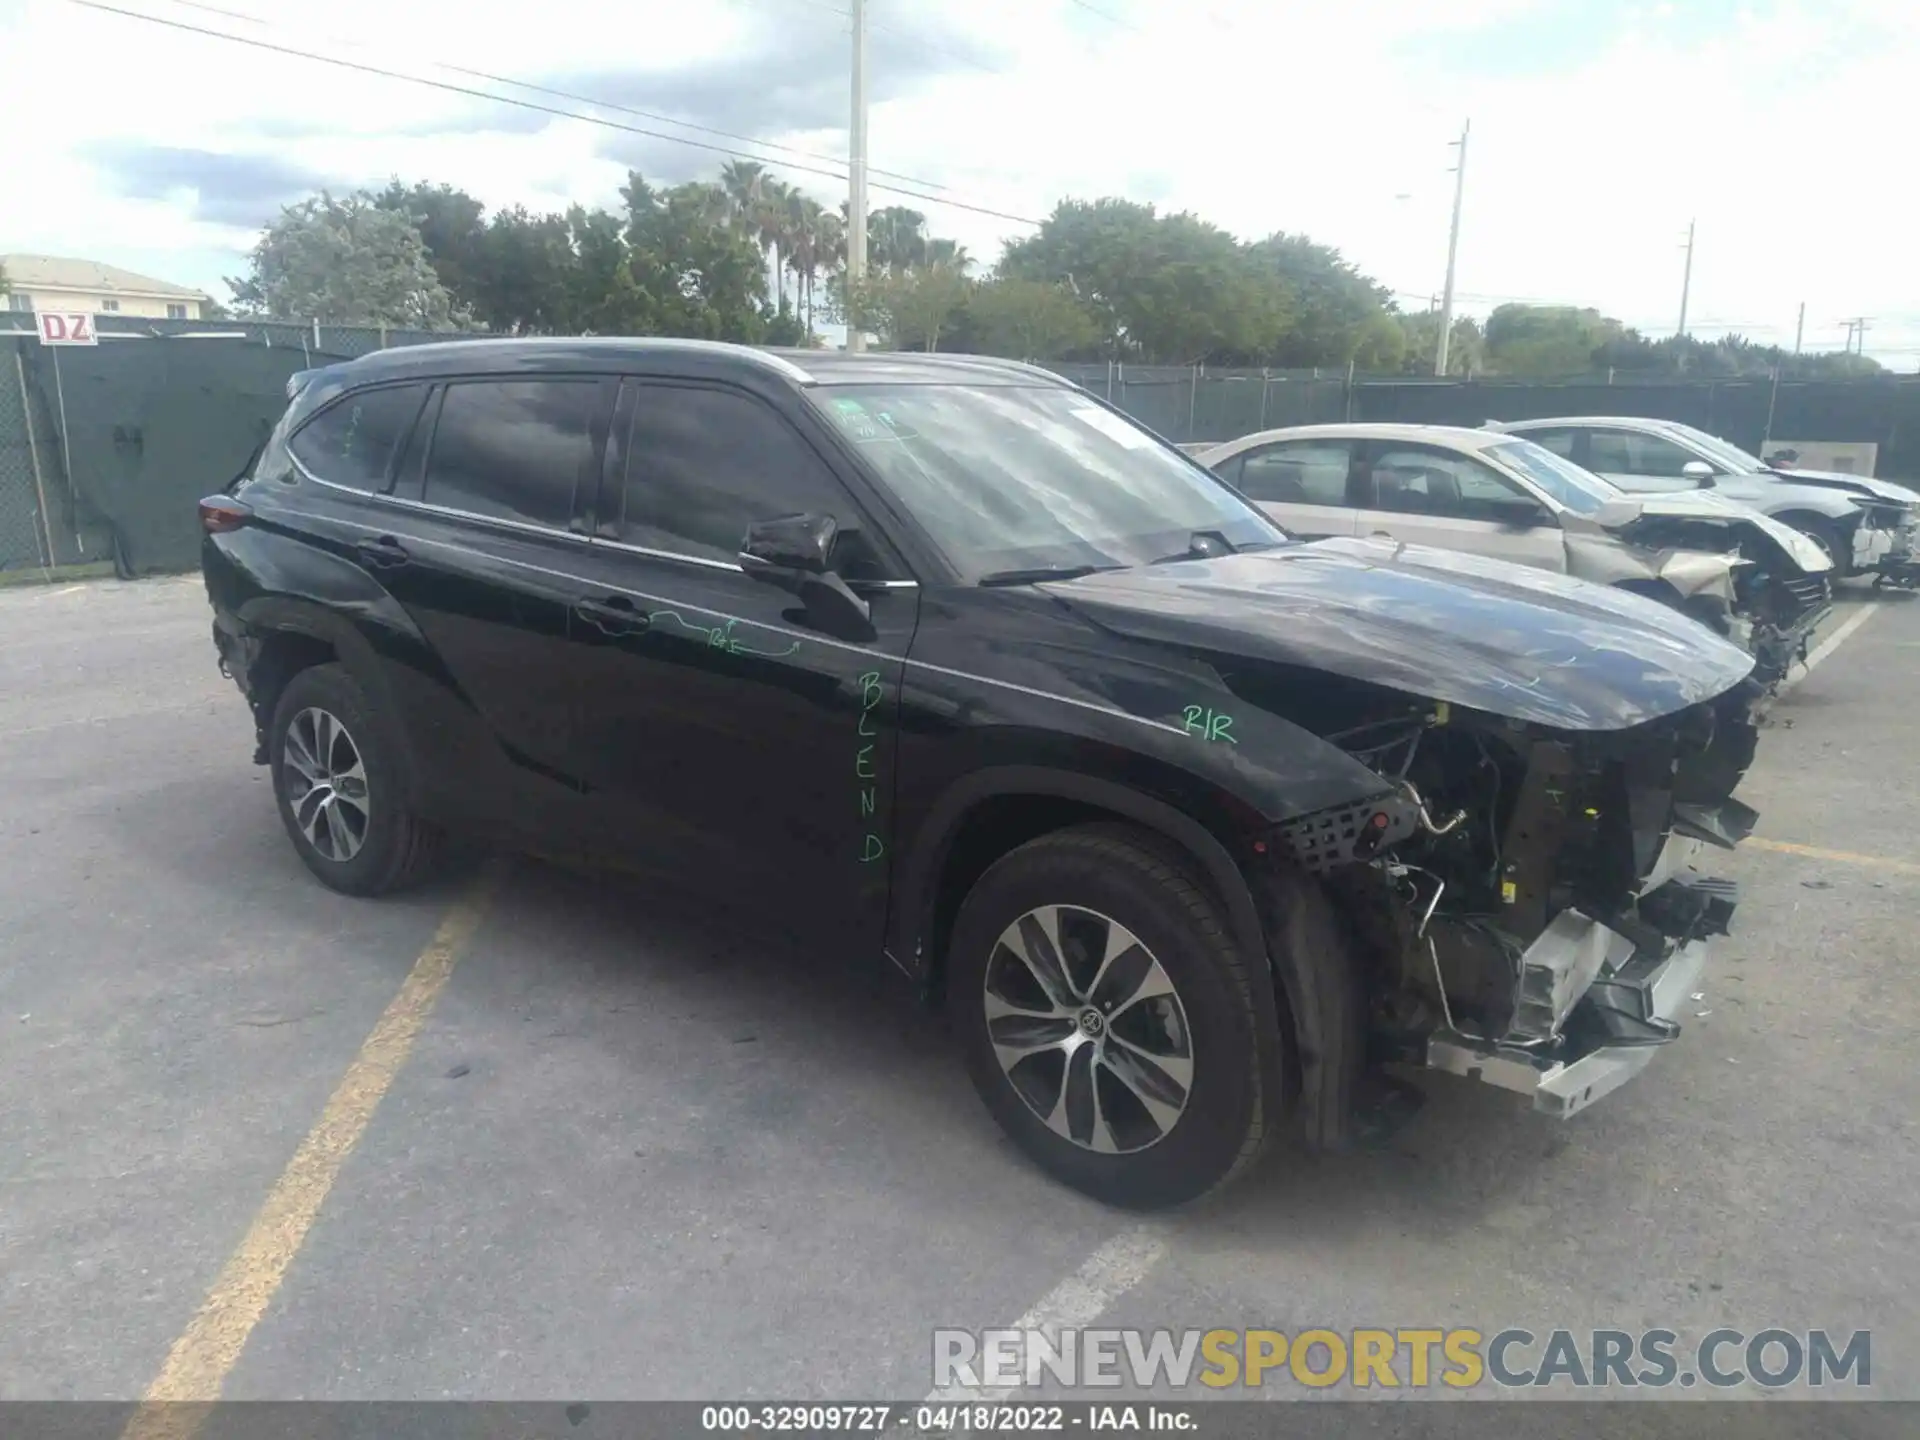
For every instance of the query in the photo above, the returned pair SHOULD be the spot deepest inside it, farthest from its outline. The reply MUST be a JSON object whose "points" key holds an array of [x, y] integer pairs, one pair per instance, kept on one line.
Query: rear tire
{"points": [[1107, 1020], [340, 780]]}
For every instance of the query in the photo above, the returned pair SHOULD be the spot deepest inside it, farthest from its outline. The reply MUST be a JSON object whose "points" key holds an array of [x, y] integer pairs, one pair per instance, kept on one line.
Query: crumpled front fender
{"points": [[1606, 560]]}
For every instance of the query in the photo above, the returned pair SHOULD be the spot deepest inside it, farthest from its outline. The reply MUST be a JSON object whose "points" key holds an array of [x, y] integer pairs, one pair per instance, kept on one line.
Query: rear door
{"points": [[1428, 495], [1302, 484], [723, 734], [487, 523]]}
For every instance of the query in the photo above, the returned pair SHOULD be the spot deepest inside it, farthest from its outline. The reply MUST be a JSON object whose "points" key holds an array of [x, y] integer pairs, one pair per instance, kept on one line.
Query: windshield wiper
{"points": [[1039, 574]]}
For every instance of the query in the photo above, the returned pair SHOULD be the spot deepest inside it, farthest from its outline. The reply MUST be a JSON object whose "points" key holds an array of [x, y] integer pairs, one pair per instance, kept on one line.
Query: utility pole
{"points": [[1857, 335], [1686, 283], [857, 183], [1800, 327], [1453, 249]]}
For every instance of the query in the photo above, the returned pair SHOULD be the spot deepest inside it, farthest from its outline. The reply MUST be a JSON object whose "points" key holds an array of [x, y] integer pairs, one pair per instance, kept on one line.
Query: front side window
{"points": [[513, 449], [352, 441], [1007, 478], [703, 465], [1580, 491], [20, 302], [1425, 480], [176, 312], [1725, 453], [107, 307], [1632, 452], [1297, 472]]}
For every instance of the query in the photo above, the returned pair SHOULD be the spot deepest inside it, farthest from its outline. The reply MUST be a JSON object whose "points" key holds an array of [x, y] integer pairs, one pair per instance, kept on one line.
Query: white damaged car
{"points": [[1751, 578]]}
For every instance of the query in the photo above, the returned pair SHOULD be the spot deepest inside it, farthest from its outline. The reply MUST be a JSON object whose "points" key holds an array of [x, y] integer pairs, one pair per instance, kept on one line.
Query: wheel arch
{"points": [[285, 635], [1019, 803]]}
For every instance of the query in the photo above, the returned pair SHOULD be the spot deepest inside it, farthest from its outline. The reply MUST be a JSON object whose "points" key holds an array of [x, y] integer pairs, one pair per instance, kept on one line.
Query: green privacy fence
{"points": [[104, 449]]}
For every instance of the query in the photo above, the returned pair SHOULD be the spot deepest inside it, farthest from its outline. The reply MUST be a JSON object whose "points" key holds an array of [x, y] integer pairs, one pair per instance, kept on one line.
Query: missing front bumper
{"points": [[1561, 1084]]}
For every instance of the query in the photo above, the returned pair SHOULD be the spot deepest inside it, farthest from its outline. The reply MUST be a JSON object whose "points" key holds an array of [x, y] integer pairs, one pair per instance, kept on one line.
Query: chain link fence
{"points": [[161, 412]]}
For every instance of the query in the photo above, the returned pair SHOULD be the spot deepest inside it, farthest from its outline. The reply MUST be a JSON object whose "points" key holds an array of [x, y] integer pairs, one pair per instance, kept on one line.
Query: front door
{"points": [[724, 735], [1635, 460], [1427, 495]]}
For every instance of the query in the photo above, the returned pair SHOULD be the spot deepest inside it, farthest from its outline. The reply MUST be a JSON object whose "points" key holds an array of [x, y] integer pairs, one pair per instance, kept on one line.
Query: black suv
{"points": [[1191, 827]]}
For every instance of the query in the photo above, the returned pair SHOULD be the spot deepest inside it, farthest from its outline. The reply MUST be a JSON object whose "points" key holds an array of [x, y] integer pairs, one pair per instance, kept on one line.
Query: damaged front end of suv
{"points": [[1533, 766], [1528, 911]]}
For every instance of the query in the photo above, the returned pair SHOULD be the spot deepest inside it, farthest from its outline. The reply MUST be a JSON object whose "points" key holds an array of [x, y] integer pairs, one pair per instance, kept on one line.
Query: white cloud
{"points": [[1594, 142]]}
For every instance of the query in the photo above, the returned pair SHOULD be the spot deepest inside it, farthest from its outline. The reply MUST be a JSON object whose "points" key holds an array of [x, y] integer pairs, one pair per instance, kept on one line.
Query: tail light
{"points": [[221, 514]]}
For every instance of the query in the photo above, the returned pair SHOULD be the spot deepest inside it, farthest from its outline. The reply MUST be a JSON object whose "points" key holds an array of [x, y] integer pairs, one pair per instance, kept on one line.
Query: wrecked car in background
{"points": [[1867, 526], [1749, 578]]}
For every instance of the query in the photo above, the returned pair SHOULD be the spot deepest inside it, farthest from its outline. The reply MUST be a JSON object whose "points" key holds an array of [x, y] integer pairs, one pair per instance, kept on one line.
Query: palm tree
{"points": [[830, 250], [950, 253], [896, 238], [773, 227], [743, 182]]}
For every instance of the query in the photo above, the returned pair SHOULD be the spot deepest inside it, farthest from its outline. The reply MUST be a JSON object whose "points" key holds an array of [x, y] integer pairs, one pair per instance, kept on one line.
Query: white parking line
{"points": [[1832, 643], [1112, 1270]]}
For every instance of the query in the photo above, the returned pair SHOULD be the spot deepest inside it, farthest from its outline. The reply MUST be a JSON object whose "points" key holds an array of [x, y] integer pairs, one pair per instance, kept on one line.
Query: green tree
{"points": [[1163, 289], [1028, 320], [453, 228], [909, 309], [347, 261], [1336, 312], [1548, 340], [707, 277], [1466, 346], [525, 283]]}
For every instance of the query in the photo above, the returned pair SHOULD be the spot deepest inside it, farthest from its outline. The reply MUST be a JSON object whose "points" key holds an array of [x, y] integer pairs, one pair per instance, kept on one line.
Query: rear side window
{"points": [[352, 442], [513, 449], [703, 465]]}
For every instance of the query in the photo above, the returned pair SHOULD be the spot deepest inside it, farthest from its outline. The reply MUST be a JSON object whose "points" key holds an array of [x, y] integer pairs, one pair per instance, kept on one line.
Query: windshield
{"points": [[1732, 456], [1581, 491], [1011, 478]]}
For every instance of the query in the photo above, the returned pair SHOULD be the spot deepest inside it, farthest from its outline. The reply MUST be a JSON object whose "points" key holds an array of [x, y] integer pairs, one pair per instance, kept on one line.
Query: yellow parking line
{"points": [[1844, 857], [198, 1365]]}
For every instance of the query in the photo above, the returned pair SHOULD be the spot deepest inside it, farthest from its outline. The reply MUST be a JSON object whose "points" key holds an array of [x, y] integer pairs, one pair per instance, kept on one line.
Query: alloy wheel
{"points": [[326, 784], [1089, 1029]]}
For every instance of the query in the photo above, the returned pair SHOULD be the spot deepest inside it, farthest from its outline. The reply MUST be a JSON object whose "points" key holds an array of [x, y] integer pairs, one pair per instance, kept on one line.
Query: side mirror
{"points": [[793, 553], [798, 544], [1698, 471]]}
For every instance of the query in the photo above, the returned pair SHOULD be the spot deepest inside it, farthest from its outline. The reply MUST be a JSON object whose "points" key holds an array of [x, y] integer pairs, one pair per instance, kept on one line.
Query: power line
{"points": [[562, 94], [521, 104]]}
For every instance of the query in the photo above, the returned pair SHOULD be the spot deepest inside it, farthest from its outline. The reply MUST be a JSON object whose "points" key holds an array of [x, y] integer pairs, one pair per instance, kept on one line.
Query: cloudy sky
{"points": [[1599, 129]]}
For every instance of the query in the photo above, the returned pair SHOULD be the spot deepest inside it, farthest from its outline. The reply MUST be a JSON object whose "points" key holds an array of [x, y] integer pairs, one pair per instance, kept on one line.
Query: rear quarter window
{"points": [[354, 440]]}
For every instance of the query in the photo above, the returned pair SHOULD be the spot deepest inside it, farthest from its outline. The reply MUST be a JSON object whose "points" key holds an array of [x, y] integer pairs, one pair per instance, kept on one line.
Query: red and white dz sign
{"points": [[67, 328]]}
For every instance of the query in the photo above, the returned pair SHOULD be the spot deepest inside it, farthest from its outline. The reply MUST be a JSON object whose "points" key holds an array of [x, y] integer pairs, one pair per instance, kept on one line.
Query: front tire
{"points": [[339, 778], [1107, 1020], [1828, 538]]}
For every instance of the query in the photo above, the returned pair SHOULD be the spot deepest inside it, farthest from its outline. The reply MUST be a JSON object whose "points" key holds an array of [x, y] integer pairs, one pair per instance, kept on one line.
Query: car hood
{"points": [[1768, 492], [1624, 513], [1505, 639], [1859, 484]]}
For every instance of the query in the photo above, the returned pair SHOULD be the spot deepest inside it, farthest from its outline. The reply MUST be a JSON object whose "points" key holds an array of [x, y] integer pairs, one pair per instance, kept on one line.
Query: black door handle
{"points": [[386, 553], [612, 616]]}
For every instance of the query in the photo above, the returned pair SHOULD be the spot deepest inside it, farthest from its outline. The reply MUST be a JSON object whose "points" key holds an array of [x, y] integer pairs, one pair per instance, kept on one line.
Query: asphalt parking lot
{"points": [[602, 1145]]}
